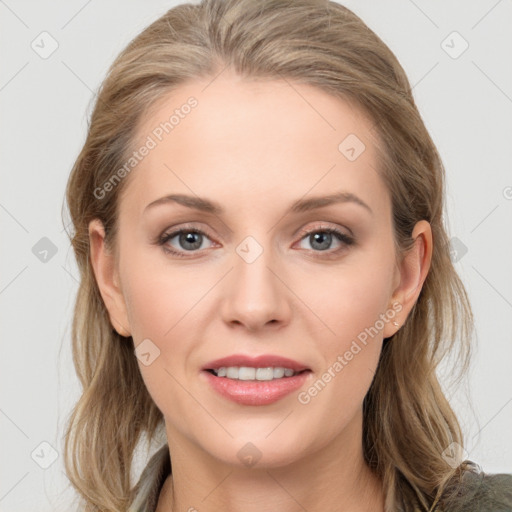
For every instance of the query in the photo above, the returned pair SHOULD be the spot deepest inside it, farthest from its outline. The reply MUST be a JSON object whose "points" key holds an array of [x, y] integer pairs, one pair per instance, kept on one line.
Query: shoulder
{"points": [[478, 491], [151, 481]]}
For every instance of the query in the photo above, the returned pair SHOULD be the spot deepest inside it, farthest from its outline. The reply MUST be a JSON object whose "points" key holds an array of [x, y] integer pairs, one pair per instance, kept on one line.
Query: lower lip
{"points": [[251, 392]]}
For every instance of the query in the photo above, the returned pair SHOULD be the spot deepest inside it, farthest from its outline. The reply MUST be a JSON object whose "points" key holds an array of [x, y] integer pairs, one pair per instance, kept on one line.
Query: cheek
{"points": [[350, 348], [160, 303], [353, 302], [347, 299], [159, 296], [165, 304], [151, 305]]}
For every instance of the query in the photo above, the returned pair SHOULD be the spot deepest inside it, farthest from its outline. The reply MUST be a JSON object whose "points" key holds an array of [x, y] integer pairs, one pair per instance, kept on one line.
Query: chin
{"points": [[258, 451]]}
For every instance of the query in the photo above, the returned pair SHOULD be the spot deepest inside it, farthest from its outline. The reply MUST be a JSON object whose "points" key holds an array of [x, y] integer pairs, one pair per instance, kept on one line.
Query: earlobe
{"points": [[105, 272], [411, 275]]}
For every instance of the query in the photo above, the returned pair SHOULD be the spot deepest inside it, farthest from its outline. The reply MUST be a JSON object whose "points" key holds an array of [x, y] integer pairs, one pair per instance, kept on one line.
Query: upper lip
{"points": [[263, 361]]}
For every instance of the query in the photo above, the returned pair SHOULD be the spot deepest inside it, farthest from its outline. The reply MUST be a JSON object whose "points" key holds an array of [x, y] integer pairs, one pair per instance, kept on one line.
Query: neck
{"points": [[318, 481]]}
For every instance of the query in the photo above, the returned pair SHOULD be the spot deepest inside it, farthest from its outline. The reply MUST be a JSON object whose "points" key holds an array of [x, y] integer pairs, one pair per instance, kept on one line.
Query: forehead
{"points": [[248, 142]]}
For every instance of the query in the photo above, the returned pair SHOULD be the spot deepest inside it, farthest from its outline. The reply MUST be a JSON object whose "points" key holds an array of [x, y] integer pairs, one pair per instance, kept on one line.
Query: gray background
{"points": [[465, 100]]}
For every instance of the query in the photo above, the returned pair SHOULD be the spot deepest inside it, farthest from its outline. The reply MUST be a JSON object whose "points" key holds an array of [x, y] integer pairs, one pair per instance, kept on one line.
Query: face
{"points": [[258, 276]]}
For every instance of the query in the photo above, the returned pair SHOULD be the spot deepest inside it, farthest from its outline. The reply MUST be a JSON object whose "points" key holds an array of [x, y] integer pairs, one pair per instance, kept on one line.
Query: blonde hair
{"points": [[408, 421]]}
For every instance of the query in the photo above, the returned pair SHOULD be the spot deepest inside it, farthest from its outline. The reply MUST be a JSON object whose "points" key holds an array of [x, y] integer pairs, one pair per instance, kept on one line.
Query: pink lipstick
{"points": [[258, 380]]}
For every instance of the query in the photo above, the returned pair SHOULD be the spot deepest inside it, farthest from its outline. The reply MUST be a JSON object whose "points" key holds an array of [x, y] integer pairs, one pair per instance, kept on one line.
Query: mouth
{"points": [[262, 367], [248, 373], [255, 381]]}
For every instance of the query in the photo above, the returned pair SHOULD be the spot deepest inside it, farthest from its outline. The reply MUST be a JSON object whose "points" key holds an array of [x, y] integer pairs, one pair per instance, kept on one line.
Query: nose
{"points": [[255, 293]]}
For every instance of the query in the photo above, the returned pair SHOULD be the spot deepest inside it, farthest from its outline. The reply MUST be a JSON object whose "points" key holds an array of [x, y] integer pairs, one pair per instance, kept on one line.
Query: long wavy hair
{"points": [[408, 422]]}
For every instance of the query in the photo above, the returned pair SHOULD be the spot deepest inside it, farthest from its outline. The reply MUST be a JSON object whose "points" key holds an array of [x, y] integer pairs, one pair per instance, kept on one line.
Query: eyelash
{"points": [[165, 237]]}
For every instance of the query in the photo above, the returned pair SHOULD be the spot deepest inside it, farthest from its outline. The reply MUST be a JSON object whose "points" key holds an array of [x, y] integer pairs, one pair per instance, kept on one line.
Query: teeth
{"points": [[248, 373]]}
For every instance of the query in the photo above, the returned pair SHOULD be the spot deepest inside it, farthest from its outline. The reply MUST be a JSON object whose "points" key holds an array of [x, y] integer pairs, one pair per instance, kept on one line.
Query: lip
{"points": [[263, 361], [253, 392]]}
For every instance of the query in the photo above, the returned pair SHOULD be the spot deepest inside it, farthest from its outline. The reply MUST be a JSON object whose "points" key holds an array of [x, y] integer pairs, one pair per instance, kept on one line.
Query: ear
{"points": [[410, 276], [107, 277]]}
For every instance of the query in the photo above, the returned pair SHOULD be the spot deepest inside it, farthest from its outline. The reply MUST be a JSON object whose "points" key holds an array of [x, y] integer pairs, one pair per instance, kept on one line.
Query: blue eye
{"points": [[323, 238], [191, 240]]}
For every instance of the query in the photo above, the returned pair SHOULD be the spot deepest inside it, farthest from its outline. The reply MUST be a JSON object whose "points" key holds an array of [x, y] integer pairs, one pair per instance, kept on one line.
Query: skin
{"points": [[255, 147]]}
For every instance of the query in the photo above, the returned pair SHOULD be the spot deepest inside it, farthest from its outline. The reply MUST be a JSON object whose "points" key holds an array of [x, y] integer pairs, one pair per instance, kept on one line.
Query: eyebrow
{"points": [[299, 206]]}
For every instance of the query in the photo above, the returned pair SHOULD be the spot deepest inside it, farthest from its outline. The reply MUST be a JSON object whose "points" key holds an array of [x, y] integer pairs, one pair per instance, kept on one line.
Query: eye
{"points": [[321, 239], [188, 240]]}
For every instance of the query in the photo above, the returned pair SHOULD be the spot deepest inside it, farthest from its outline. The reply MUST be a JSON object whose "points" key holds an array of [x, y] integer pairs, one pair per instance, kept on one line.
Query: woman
{"points": [[265, 275]]}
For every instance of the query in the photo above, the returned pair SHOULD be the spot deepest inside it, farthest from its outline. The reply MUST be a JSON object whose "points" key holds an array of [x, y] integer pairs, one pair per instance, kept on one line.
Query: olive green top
{"points": [[478, 491]]}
